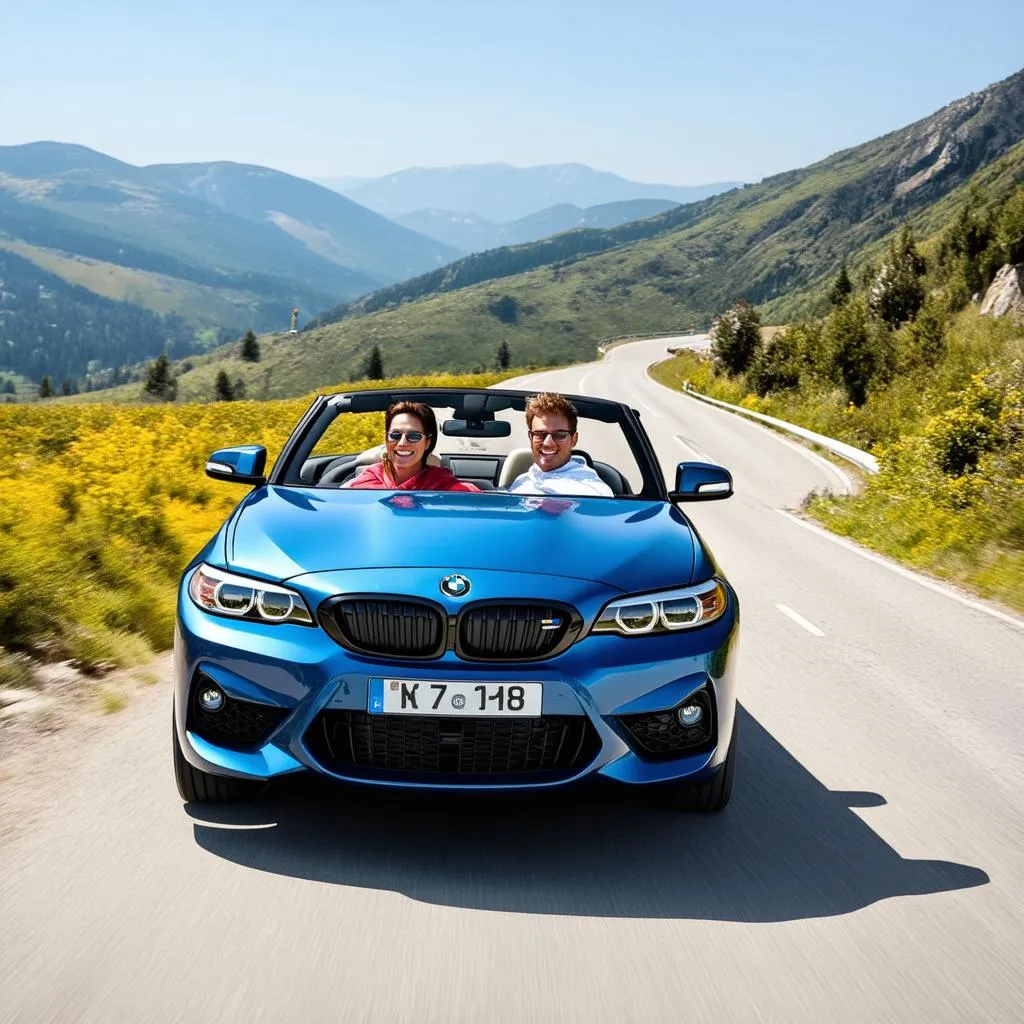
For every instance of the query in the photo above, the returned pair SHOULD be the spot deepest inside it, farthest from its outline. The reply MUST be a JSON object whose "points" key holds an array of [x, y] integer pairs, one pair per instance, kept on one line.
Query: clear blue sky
{"points": [[676, 92]]}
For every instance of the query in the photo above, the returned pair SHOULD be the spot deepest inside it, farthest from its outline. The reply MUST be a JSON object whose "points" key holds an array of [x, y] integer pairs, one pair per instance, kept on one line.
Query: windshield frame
{"points": [[326, 408]]}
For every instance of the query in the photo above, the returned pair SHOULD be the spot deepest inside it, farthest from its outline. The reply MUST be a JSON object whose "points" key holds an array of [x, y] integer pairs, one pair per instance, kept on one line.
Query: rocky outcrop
{"points": [[1005, 296]]}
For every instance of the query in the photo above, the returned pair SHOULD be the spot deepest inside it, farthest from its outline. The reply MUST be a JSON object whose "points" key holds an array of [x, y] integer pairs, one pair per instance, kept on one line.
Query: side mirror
{"points": [[701, 481], [241, 465]]}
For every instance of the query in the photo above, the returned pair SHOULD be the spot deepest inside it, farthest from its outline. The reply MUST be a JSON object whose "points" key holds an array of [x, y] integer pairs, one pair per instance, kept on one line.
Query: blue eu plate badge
{"points": [[376, 697]]}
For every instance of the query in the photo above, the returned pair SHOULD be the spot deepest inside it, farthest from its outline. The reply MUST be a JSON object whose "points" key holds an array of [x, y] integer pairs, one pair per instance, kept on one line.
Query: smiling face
{"points": [[548, 452], [407, 455]]}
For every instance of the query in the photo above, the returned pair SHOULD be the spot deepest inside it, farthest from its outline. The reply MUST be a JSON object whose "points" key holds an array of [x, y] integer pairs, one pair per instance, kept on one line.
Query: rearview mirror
{"points": [[476, 428], [243, 464], [701, 481]]}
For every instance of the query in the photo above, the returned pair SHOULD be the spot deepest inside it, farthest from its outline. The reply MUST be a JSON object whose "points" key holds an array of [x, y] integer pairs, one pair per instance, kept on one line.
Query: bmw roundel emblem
{"points": [[455, 585]]}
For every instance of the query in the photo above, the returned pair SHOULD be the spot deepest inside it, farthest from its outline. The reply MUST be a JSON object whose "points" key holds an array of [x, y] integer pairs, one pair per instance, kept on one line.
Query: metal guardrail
{"points": [[858, 457], [608, 342]]}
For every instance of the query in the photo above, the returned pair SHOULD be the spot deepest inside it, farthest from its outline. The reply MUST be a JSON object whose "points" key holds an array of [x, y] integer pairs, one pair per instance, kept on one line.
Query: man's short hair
{"points": [[548, 403]]}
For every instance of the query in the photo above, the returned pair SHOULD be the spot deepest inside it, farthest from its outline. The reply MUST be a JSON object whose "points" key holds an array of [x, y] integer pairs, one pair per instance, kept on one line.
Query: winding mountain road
{"points": [[869, 868]]}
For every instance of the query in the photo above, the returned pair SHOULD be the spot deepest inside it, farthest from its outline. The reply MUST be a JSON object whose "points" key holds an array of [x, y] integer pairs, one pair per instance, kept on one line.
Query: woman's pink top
{"points": [[429, 478]]}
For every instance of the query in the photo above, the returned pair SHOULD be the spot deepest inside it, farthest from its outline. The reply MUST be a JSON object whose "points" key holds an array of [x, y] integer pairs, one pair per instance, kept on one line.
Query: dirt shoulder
{"points": [[46, 726]]}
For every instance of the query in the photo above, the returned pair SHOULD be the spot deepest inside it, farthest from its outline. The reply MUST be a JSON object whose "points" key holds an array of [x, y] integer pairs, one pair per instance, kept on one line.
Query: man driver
{"points": [[551, 425]]}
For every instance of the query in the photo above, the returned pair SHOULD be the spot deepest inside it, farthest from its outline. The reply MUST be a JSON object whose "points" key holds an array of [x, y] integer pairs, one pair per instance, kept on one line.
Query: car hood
{"points": [[281, 532]]}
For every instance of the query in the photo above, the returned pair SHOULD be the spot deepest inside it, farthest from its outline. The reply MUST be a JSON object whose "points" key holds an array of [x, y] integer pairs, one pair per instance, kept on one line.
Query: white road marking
{"points": [[696, 449], [644, 405], [799, 620], [909, 574], [844, 480], [585, 378]]}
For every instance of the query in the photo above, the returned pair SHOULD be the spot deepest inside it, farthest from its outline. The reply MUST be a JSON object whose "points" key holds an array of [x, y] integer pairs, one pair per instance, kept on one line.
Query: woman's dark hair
{"points": [[428, 421]]}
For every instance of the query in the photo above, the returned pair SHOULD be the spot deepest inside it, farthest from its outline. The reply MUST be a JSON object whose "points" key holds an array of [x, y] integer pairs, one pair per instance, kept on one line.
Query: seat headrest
{"points": [[373, 455], [517, 462]]}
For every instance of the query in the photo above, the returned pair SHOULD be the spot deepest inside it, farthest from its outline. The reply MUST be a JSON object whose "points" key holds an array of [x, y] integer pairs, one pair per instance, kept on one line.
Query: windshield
{"points": [[340, 445]]}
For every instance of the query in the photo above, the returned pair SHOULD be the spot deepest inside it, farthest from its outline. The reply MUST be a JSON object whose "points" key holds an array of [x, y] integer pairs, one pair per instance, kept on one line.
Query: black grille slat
{"points": [[511, 632], [475, 748], [388, 626]]}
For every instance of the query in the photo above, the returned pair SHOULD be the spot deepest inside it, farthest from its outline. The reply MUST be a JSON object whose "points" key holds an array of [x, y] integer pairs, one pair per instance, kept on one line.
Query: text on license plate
{"points": [[481, 700]]}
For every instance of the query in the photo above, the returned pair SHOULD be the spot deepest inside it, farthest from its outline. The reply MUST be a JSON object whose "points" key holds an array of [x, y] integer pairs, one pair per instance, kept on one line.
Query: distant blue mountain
{"points": [[474, 234], [501, 193]]}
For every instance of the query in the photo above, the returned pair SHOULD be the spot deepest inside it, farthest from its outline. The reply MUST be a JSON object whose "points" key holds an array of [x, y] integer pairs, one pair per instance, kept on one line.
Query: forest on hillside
{"points": [[49, 327]]}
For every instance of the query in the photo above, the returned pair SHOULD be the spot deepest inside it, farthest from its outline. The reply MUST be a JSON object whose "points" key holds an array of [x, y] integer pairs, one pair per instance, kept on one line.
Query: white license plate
{"points": [[479, 700]]}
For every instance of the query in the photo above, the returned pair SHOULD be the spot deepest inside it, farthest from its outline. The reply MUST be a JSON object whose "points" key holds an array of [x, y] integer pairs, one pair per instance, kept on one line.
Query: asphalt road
{"points": [[869, 868]]}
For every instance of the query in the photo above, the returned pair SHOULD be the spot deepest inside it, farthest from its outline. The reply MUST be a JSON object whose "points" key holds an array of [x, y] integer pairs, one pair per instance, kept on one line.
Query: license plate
{"points": [[479, 700]]}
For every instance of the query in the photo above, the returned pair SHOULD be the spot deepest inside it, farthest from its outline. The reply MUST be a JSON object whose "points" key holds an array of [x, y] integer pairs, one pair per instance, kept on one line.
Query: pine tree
{"points": [[159, 382], [859, 349], [65, 387], [238, 389], [897, 292], [374, 368], [841, 288], [45, 388], [504, 356], [9, 388], [735, 338], [222, 391], [250, 348]]}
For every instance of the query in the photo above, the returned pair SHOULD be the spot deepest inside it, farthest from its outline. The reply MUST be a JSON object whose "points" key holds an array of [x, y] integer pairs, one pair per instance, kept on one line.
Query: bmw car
{"points": [[457, 640]]}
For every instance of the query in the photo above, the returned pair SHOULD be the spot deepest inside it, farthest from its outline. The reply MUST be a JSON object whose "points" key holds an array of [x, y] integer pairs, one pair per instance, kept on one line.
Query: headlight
{"points": [[224, 593], [665, 612]]}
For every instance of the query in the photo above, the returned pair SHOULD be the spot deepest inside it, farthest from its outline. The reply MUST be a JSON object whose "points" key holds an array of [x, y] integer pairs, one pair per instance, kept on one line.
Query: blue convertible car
{"points": [[457, 640]]}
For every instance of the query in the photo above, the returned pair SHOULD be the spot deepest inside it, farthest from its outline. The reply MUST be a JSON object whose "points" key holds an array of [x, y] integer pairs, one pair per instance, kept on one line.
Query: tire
{"points": [[199, 787], [711, 795]]}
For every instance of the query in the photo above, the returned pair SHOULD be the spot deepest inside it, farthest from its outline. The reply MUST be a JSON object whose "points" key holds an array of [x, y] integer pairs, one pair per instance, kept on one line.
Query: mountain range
{"points": [[777, 244], [472, 233], [501, 193], [103, 263], [198, 251]]}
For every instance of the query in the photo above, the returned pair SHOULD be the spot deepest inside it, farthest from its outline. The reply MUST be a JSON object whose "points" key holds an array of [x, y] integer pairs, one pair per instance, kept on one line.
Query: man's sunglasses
{"points": [[412, 436], [561, 436]]}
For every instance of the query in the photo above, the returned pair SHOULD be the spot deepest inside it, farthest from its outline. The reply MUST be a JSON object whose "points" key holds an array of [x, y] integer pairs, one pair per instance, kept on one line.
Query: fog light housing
{"points": [[211, 698], [690, 714]]}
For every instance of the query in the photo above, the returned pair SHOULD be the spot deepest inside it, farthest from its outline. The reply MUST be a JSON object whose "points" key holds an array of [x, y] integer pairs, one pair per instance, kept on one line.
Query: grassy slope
{"points": [[159, 292], [908, 512]]}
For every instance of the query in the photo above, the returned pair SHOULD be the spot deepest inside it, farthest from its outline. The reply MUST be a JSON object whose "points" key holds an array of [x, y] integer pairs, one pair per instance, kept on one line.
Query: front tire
{"points": [[199, 787], [711, 795]]}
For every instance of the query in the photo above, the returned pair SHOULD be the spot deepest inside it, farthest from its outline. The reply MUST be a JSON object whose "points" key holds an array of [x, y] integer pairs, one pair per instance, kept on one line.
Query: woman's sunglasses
{"points": [[412, 436]]}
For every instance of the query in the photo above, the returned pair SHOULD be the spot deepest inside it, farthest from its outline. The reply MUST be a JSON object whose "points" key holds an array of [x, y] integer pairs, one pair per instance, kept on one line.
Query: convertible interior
{"points": [[488, 472]]}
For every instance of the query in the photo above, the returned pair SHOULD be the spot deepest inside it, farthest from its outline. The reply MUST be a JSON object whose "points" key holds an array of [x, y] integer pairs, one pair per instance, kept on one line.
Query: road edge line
{"points": [[901, 570]]}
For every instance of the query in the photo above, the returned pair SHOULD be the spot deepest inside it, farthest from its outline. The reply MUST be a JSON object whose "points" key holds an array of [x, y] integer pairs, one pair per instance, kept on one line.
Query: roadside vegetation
{"points": [[101, 507], [905, 366]]}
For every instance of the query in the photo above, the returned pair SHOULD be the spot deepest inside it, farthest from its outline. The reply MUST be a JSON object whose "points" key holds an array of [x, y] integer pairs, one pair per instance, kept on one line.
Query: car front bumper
{"points": [[301, 675]]}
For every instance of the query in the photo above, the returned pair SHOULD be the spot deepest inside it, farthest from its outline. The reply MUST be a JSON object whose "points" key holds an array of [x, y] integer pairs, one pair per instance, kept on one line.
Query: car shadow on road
{"points": [[785, 848]]}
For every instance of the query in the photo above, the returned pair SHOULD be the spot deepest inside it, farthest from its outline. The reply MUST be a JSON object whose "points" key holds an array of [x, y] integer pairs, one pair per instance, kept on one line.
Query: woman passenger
{"points": [[410, 434]]}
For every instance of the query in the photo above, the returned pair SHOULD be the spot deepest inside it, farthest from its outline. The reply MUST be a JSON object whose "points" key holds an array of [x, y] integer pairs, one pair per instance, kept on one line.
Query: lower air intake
{"points": [[239, 724], [659, 735], [474, 749]]}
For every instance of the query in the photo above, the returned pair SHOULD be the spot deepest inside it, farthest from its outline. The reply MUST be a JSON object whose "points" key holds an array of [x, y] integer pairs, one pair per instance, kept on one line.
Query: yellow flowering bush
{"points": [[101, 507]]}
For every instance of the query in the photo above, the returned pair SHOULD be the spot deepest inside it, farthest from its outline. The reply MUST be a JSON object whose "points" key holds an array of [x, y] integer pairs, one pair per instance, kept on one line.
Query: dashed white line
{"points": [[800, 620], [696, 449], [923, 581], [644, 405]]}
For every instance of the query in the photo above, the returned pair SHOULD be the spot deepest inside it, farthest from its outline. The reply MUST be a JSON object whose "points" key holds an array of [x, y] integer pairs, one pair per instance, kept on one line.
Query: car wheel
{"points": [[712, 794], [196, 786]]}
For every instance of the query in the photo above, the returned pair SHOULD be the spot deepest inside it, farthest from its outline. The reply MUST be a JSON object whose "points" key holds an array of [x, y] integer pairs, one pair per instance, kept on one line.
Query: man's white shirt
{"points": [[574, 477]]}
